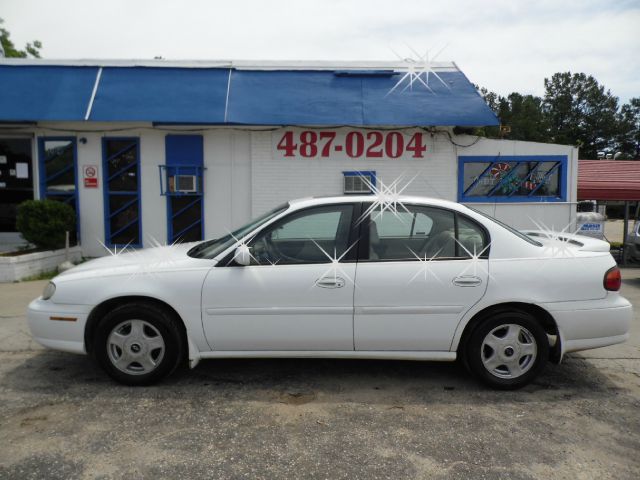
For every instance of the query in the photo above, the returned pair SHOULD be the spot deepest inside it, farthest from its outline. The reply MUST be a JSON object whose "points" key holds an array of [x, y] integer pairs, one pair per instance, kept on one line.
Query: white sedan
{"points": [[344, 277]]}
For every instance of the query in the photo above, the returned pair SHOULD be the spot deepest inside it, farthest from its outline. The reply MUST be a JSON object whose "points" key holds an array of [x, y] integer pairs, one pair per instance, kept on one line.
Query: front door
{"points": [[295, 295], [425, 267]]}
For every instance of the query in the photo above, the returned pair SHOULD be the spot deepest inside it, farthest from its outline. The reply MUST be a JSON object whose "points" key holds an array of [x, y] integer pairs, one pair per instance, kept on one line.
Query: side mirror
{"points": [[242, 256]]}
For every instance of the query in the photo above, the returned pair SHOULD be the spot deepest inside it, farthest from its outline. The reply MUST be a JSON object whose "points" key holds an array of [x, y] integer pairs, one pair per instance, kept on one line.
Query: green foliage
{"points": [[44, 222], [522, 113], [628, 138], [581, 112], [576, 110], [41, 276], [10, 51]]}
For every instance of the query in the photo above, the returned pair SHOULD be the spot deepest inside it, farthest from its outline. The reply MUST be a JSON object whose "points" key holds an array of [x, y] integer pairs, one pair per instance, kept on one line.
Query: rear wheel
{"points": [[138, 343], [507, 350]]}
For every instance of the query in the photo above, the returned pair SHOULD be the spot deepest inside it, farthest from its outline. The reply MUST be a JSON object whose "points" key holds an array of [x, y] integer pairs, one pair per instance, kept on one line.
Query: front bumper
{"points": [[592, 324], [58, 326]]}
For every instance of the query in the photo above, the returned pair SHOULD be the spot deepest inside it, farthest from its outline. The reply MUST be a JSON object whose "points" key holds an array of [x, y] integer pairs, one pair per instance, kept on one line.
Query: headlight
{"points": [[49, 290]]}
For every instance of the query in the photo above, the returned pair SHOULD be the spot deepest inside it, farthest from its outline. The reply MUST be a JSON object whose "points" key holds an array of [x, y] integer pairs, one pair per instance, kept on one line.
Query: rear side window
{"points": [[509, 228], [472, 239], [424, 232]]}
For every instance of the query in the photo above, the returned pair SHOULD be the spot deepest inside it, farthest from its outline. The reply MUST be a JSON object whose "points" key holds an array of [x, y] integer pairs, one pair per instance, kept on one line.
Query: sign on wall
{"points": [[90, 175], [351, 144], [592, 229]]}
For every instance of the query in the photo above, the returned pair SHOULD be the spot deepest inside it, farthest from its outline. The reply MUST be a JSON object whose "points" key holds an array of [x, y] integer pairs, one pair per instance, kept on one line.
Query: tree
{"points": [[522, 113], [628, 139], [576, 110], [492, 99], [525, 116], [31, 49], [580, 112]]}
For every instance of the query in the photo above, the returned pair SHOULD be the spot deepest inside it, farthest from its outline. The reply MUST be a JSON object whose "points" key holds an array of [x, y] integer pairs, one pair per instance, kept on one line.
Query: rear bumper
{"points": [[592, 324], [56, 326]]}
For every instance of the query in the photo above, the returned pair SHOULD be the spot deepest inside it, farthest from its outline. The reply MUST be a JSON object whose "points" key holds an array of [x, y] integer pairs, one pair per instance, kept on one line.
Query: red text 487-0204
{"points": [[371, 144]]}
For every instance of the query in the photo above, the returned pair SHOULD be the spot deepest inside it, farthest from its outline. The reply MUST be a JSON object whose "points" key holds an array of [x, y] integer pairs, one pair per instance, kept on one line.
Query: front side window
{"points": [[513, 178], [314, 235], [424, 232], [213, 248]]}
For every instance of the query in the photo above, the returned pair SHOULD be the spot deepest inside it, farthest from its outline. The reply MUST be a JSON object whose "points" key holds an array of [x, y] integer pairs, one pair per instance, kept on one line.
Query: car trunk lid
{"points": [[579, 242]]}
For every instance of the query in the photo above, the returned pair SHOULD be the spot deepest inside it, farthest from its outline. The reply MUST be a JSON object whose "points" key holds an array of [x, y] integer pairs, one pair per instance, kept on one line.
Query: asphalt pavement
{"points": [[62, 417]]}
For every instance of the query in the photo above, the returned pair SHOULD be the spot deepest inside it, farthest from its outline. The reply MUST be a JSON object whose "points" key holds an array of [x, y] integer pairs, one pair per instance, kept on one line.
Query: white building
{"points": [[165, 151]]}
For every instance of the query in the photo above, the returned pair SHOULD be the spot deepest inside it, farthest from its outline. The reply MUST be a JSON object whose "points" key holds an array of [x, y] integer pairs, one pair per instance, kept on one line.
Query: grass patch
{"points": [[41, 276], [22, 250]]}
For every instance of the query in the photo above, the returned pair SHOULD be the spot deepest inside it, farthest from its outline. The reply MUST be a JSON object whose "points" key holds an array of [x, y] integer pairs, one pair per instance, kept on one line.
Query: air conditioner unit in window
{"points": [[357, 184], [186, 183]]}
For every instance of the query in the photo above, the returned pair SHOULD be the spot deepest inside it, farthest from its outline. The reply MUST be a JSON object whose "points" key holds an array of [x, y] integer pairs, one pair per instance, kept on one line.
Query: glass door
{"points": [[121, 169], [58, 173], [16, 179]]}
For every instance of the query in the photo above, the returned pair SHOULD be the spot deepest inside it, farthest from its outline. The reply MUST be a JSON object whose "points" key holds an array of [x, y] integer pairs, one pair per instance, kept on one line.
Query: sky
{"points": [[502, 45]]}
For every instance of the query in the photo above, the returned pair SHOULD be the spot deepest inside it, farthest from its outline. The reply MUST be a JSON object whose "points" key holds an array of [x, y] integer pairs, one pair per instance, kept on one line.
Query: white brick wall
{"points": [[276, 179], [245, 176]]}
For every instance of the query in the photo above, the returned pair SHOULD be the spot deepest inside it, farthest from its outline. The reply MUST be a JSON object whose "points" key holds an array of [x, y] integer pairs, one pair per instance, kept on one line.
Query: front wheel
{"points": [[507, 350], [138, 343]]}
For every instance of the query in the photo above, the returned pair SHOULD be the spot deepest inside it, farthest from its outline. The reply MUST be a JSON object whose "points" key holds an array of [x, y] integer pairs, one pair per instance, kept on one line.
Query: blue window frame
{"points": [[359, 181], [181, 180], [121, 172], [58, 169], [512, 179]]}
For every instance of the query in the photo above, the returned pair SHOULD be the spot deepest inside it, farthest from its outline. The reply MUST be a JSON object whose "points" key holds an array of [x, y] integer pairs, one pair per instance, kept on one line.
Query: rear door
{"points": [[422, 270]]}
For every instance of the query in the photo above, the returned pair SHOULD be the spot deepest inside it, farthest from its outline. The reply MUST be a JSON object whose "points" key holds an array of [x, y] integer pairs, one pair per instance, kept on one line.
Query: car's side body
{"points": [[355, 306]]}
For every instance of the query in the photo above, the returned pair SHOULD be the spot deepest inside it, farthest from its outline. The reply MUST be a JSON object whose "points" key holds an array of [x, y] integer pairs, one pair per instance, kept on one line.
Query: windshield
{"points": [[511, 229], [211, 248]]}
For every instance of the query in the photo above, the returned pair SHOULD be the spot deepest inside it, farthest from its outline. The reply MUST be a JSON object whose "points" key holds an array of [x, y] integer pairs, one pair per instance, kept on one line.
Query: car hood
{"points": [[165, 258]]}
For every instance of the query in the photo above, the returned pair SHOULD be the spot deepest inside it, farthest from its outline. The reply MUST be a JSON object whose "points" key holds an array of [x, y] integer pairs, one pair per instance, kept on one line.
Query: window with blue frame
{"points": [[58, 173], [359, 181], [121, 171], [181, 180], [518, 178]]}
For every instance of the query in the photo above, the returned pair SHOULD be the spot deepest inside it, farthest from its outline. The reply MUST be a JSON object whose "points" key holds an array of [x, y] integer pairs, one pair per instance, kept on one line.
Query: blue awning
{"points": [[294, 98], [180, 95], [328, 98], [31, 93], [238, 96]]}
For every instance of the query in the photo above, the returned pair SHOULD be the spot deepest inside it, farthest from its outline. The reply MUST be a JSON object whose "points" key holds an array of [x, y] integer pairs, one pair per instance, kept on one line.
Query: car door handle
{"points": [[467, 281], [330, 282]]}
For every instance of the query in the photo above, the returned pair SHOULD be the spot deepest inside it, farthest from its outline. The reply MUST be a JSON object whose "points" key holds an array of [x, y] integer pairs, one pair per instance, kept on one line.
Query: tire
{"points": [[507, 350], [138, 343]]}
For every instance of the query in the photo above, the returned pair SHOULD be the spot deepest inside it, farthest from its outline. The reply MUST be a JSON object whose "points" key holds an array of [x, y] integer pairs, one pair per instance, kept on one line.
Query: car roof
{"points": [[409, 199]]}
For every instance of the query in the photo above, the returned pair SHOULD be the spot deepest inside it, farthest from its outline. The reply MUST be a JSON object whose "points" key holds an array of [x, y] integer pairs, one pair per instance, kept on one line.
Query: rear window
{"points": [[523, 236]]}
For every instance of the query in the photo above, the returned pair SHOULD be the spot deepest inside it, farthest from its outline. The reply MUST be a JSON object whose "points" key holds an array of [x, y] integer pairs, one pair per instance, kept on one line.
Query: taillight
{"points": [[612, 279]]}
